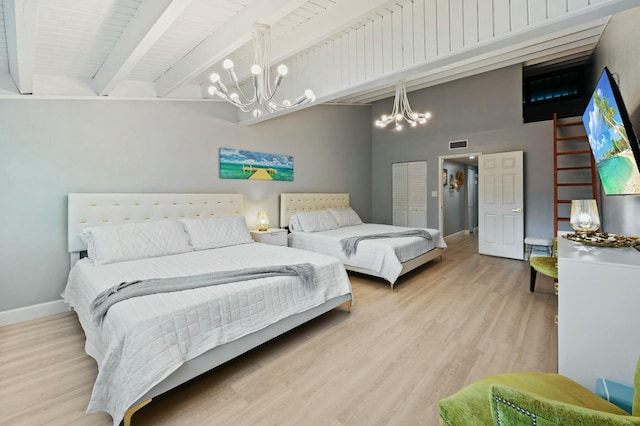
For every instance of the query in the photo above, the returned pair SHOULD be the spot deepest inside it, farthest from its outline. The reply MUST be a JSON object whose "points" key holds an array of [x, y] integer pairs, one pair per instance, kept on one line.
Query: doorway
{"points": [[458, 194]]}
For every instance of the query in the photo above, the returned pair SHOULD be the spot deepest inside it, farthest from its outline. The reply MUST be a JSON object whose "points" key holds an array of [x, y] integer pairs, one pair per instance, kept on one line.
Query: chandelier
{"points": [[402, 111], [263, 94]]}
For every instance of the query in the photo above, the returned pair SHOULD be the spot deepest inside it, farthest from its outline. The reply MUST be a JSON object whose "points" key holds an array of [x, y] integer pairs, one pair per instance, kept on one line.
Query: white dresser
{"points": [[598, 312]]}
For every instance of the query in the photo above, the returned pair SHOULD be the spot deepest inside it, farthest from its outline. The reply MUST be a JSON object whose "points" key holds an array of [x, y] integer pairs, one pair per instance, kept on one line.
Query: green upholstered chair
{"points": [[545, 265], [534, 399]]}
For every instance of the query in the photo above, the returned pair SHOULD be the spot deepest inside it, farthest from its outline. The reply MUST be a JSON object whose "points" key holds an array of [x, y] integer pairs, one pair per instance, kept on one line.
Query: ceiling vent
{"points": [[463, 144]]}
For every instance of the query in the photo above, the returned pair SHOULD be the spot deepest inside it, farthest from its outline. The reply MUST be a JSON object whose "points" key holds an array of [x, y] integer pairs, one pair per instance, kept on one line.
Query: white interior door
{"points": [[500, 204], [400, 194]]}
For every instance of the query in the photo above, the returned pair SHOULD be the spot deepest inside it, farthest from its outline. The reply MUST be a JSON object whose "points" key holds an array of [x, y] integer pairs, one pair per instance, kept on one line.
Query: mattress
{"points": [[144, 339], [382, 256]]}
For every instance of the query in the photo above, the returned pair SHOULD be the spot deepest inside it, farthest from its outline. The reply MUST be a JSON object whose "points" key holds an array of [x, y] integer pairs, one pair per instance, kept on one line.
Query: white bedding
{"points": [[144, 339], [383, 256]]}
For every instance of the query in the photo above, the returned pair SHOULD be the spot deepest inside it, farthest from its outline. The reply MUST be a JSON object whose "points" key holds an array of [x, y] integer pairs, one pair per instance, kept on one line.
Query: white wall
{"points": [[486, 109], [49, 148], [619, 50]]}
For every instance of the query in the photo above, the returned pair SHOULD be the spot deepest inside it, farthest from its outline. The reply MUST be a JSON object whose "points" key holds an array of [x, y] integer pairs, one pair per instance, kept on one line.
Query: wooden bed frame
{"points": [[87, 210], [291, 203]]}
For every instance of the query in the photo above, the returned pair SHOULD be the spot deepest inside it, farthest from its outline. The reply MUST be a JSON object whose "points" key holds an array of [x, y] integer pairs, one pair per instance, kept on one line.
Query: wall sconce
{"points": [[584, 216], [263, 221]]}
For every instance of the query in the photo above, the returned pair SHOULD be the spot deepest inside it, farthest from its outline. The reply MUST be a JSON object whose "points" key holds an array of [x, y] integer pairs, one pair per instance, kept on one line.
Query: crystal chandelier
{"points": [[402, 111], [263, 92]]}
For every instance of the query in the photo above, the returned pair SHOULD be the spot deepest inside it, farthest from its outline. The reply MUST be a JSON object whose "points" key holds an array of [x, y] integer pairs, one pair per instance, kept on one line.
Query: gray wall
{"points": [[49, 148], [486, 109], [619, 50]]}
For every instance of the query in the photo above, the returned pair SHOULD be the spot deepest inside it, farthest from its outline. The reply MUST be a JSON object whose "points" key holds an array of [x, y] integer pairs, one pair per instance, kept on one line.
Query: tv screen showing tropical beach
{"points": [[610, 142]]}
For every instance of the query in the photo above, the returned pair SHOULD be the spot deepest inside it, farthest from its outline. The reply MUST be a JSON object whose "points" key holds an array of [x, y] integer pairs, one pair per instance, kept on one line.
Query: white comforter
{"points": [[384, 257], [144, 339]]}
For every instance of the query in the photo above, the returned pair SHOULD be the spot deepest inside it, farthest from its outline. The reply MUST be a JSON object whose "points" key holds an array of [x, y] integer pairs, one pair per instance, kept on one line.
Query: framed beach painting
{"points": [[241, 164]]}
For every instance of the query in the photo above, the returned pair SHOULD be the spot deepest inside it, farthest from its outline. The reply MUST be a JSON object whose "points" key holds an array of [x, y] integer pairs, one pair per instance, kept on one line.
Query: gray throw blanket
{"points": [[127, 290], [350, 244]]}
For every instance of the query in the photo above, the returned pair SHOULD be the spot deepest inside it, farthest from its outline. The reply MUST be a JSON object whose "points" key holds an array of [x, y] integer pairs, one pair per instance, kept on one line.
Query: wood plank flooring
{"points": [[388, 361]]}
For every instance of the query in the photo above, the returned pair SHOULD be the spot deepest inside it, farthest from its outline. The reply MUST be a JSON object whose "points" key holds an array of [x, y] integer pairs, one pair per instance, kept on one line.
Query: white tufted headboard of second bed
{"points": [[291, 203], [98, 209]]}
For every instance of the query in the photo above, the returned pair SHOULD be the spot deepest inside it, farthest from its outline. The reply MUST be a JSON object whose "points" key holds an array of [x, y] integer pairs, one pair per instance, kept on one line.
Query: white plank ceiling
{"points": [[347, 51]]}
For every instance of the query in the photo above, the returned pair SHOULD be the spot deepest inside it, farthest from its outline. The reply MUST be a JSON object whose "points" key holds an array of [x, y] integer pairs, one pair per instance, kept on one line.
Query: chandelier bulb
{"points": [[384, 117], [427, 115], [227, 64], [234, 96], [212, 90], [415, 115], [286, 102], [214, 77], [399, 117], [310, 95], [413, 123], [256, 69], [257, 113], [282, 70], [398, 126]]}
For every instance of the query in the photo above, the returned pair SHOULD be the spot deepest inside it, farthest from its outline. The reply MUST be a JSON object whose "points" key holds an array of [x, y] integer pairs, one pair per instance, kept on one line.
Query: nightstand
{"points": [[273, 236]]}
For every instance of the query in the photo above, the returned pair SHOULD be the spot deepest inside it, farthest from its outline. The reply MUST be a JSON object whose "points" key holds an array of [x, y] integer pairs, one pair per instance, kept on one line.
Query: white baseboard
{"points": [[28, 313], [454, 234]]}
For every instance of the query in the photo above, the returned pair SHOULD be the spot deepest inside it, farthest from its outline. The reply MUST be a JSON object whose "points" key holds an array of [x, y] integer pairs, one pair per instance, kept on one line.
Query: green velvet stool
{"points": [[534, 399], [545, 265]]}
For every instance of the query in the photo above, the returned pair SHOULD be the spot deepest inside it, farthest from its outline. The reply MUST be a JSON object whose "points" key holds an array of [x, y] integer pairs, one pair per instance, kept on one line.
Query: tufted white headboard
{"points": [[114, 209], [290, 204]]}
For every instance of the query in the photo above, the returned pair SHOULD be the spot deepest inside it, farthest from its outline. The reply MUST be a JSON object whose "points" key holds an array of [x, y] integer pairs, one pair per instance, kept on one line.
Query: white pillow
{"points": [[320, 220], [294, 224], [117, 243], [346, 217], [217, 232]]}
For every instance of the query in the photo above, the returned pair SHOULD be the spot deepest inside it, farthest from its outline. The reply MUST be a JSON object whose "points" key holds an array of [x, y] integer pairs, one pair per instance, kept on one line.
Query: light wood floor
{"points": [[388, 361]]}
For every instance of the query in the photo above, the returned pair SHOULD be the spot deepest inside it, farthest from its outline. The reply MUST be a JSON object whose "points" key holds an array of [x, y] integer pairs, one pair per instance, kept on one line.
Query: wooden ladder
{"points": [[574, 169]]}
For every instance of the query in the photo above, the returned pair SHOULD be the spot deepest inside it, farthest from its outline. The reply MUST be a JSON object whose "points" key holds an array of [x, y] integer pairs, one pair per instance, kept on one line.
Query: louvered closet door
{"points": [[400, 194], [417, 194], [410, 194]]}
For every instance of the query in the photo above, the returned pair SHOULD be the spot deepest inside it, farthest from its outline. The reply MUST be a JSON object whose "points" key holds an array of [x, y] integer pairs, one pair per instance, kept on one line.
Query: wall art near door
{"points": [[241, 164]]}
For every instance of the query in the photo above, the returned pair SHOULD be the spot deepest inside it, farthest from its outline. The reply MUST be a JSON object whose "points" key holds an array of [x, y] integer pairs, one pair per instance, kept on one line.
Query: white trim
{"points": [[28, 313]]}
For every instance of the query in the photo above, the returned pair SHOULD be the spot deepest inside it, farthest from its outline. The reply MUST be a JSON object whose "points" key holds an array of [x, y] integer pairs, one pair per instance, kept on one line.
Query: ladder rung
{"points": [[575, 168], [576, 184], [571, 138], [586, 151], [570, 123], [563, 219], [564, 201]]}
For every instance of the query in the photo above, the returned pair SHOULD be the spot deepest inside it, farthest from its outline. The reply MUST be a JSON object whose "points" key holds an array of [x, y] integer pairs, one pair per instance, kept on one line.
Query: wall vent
{"points": [[462, 144]]}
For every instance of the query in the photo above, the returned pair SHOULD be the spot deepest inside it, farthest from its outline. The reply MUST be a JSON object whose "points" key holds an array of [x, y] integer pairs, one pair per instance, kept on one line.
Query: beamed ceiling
{"points": [[347, 51]]}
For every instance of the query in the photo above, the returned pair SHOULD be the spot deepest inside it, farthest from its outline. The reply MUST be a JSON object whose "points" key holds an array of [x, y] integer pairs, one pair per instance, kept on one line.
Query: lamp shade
{"points": [[263, 221], [584, 215]]}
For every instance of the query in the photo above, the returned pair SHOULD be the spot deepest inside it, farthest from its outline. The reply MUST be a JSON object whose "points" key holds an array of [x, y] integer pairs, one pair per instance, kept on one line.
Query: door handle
{"points": [[518, 210]]}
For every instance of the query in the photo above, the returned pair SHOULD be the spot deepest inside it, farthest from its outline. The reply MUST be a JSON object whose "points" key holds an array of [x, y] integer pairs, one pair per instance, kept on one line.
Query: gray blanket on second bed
{"points": [[127, 290], [350, 244]]}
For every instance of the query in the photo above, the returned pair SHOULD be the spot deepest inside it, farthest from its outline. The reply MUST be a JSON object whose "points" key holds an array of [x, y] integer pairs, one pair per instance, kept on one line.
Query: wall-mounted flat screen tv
{"points": [[613, 142]]}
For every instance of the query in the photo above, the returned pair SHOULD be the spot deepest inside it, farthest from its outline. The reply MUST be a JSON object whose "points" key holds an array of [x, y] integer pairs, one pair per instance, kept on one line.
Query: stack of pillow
{"points": [[118, 243], [323, 220]]}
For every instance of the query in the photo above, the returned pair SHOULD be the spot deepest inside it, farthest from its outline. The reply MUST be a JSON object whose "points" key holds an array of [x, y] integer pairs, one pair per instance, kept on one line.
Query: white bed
{"points": [[384, 258], [148, 345]]}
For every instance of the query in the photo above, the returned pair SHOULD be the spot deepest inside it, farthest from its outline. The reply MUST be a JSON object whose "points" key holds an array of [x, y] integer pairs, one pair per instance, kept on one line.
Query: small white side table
{"points": [[531, 242], [273, 236]]}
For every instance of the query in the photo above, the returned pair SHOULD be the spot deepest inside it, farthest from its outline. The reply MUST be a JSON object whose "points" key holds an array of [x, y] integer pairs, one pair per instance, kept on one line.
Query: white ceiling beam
{"points": [[148, 24], [20, 27], [230, 37]]}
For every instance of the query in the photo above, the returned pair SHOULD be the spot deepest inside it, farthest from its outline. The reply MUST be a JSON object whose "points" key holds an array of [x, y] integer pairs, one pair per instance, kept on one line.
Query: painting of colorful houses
{"points": [[241, 164]]}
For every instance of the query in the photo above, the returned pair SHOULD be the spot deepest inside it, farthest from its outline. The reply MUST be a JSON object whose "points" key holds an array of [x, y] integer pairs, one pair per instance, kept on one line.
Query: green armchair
{"points": [[534, 399]]}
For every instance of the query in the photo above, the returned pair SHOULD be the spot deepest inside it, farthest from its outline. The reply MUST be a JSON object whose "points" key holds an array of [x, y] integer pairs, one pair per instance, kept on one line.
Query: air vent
{"points": [[463, 144]]}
